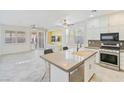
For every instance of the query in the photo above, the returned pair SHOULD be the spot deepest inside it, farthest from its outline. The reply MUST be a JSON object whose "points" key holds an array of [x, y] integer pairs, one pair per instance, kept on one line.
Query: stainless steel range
{"points": [[110, 51]]}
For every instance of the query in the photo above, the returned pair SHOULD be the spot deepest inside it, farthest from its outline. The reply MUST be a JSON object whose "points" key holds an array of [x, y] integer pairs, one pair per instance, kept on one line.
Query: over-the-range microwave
{"points": [[109, 36]]}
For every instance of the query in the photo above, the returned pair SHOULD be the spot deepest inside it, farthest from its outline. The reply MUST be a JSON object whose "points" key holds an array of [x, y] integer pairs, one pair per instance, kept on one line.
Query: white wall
{"points": [[14, 48]]}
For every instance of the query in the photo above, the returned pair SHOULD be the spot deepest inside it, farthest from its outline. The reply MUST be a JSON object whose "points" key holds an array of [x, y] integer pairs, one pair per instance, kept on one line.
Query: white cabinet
{"points": [[93, 29], [97, 57], [121, 33], [82, 73], [58, 75], [117, 29], [89, 68], [116, 19], [93, 34], [93, 23], [105, 24], [103, 21], [122, 60], [116, 24], [0, 41], [97, 26]]}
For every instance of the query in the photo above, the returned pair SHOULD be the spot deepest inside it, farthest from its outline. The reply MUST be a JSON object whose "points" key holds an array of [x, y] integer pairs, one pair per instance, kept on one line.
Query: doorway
{"points": [[37, 40]]}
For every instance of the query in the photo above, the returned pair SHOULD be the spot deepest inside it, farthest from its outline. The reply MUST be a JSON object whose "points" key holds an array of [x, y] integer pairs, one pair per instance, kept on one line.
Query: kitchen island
{"points": [[70, 66]]}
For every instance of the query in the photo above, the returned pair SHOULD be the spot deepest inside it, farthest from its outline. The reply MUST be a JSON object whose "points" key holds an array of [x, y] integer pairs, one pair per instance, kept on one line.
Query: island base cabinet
{"points": [[58, 75], [89, 68], [77, 75]]}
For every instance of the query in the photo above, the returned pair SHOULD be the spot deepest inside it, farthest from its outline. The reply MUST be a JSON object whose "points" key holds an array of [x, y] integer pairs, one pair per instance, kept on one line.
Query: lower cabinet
{"points": [[89, 68], [58, 75], [83, 73], [122, 60]]}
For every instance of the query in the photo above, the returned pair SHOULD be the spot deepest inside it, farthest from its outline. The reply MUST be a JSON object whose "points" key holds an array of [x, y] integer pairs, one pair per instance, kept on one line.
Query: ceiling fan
{"points": [[66, 24]]}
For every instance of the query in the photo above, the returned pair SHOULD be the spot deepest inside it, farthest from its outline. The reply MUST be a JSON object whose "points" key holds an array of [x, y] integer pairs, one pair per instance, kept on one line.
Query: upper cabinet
{"points": [[105, 24], [116, 24], [116, 19], [99, 22], [96, 26], [92, 28], [93, 23], [103, 21]]}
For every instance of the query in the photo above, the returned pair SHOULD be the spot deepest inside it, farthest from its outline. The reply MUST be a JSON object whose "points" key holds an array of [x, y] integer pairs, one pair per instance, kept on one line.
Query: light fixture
{"points": [[33, 27], [66, 24], [92, 13]]}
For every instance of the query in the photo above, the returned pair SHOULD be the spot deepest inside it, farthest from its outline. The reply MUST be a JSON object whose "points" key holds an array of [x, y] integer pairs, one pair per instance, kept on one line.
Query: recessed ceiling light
{"points": [[92, 13]]}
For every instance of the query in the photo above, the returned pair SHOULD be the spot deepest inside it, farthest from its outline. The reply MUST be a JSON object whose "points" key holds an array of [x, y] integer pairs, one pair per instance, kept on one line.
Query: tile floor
{"points": [[22, 67], [29, 67]]}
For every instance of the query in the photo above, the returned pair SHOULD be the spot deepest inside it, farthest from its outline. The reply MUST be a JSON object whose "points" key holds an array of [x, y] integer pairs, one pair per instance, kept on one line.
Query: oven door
{"points": [[109, 58]]}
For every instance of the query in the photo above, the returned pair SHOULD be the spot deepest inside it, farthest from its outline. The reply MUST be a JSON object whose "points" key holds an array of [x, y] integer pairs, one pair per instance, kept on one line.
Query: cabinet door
{"points": [[93, 29], [77, 75], [89, 68], [122, 60], [58, 75], [93, 34], [103, 21], [116, 19], [116, 24], [93, 23], [86, 71], [121, 32]]}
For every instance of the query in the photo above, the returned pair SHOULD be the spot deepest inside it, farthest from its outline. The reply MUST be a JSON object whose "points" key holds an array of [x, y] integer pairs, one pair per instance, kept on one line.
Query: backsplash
{"points": [[96, 43], [122, 44], [93, 43]]}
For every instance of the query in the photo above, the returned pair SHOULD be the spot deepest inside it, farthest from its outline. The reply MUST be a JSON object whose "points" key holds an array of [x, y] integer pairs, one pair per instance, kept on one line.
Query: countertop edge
{"points": [[54, 64]]}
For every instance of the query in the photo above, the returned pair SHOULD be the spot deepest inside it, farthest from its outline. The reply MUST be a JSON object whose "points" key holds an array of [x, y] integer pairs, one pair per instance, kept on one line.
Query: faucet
{"points": [[78, 47]]}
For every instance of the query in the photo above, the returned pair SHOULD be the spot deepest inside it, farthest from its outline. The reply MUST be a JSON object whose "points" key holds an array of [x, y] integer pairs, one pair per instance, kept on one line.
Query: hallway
{"points": [[22, 67]]}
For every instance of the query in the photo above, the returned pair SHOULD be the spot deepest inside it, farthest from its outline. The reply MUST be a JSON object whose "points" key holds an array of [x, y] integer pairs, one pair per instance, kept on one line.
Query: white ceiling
{"points": [[44, 18]]}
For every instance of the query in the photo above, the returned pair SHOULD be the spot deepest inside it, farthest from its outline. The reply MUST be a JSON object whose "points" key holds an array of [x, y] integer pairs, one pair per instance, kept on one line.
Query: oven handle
{"points": [[112, 53]]}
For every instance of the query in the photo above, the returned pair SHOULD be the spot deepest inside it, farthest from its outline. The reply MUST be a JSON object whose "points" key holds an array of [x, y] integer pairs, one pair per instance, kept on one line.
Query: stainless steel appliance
{"points": [[109, 37], [110, 58], [110, 51]]}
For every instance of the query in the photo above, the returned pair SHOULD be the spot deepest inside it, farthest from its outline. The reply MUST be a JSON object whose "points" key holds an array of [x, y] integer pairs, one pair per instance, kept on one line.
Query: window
{"points": [[14, 37], [10, 37], [20, 37]]}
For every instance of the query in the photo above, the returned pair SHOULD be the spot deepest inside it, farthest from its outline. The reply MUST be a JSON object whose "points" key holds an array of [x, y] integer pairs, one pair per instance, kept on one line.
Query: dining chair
{"points": [[65, 48], [47, 51]]}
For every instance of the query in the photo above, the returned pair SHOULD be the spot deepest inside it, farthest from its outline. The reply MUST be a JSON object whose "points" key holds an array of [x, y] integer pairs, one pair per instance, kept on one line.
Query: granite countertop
{"points": [[68, 60]]}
